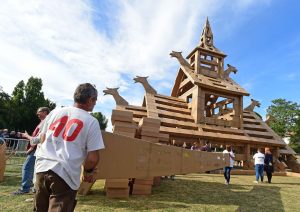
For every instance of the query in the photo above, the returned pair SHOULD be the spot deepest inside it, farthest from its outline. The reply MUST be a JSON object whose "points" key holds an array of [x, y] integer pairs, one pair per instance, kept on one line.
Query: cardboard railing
{"points": [[125, 157]]}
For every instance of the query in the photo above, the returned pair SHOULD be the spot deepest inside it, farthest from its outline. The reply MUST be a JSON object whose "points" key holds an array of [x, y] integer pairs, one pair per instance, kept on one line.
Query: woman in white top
{"points": [[259, 160]]}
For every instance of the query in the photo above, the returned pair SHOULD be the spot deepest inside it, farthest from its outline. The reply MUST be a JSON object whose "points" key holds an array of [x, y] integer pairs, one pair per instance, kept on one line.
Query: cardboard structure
{"points": [[2, 160], [145, 159], [125, 157], [205, 104]]}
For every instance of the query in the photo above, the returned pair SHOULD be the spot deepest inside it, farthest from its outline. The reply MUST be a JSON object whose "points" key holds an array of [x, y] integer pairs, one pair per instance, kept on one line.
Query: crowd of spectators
{"points": [[11, 138], [4, 133]]}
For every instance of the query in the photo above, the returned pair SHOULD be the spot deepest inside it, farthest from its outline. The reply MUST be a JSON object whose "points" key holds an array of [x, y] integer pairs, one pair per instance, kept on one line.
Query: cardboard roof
{"points": [[176, 120], [219, 84]]}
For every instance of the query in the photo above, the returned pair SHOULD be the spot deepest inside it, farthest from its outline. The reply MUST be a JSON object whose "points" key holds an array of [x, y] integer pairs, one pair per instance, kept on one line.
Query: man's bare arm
{"points": [[90, 163], [91, 160]]}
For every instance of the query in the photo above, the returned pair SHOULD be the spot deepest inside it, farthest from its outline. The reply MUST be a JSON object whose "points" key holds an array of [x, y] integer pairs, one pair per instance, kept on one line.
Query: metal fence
{"points": [[15, 152]]}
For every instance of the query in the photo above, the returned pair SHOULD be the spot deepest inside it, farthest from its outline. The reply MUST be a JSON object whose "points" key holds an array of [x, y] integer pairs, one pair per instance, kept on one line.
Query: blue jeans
{"points": [[27, 172], [259, 172], [227, 171]]}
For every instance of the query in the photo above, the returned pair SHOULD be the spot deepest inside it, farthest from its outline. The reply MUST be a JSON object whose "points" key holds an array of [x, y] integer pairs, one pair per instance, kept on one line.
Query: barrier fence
{"points": [[15, 155]]}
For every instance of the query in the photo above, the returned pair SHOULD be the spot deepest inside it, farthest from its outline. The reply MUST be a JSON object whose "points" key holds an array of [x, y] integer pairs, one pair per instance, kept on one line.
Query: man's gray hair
{"points": [[84, 92]]}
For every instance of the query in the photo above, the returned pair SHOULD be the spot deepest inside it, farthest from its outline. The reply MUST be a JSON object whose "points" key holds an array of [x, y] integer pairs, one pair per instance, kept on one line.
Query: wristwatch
{"points": [[88, 170]]}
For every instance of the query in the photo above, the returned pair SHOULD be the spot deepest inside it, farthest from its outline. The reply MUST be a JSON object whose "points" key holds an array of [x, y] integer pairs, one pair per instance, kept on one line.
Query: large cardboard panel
{"points": [[128, 134], [205, 161], [147, 181], [2, 160], [165, 160], [125, 157], [151, 139]]}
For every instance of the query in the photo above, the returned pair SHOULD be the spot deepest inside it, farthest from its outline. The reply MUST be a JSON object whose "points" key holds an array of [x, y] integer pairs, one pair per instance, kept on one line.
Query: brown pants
{"points": [[53, 193]]}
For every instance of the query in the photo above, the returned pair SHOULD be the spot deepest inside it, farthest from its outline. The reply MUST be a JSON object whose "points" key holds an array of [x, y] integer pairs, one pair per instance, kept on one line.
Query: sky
{"points": [[109, 42]]}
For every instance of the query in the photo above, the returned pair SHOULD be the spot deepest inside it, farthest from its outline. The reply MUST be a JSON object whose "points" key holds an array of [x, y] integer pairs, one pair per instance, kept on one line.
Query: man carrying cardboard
{"points": [[70, 136]]}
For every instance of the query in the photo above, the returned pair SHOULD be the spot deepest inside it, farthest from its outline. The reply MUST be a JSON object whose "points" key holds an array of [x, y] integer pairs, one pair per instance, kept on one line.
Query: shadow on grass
{"points": [[284, 183], [183, 194], [11, 180]]}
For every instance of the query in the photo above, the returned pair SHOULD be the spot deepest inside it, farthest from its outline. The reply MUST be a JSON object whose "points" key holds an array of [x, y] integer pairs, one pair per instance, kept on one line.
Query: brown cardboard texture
{"points": [[144, 159], [2, 161]]}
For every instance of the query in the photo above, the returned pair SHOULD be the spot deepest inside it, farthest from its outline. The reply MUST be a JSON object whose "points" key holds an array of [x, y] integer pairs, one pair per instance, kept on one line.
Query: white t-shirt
{"points": [[259, 158], [232, 155], [70, 134]]}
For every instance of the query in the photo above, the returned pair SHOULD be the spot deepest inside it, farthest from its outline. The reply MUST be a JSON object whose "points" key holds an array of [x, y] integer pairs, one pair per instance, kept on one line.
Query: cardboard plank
{"points": [[2, 161], [116, 183], [121, 115]]}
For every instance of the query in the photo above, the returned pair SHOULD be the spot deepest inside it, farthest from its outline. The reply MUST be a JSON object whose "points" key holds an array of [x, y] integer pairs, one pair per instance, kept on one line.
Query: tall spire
{"points": [[207, 37]]}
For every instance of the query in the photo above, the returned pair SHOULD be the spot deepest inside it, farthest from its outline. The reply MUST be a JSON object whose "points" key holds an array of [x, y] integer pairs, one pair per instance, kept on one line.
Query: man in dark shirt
{"points": [[206, 147]]}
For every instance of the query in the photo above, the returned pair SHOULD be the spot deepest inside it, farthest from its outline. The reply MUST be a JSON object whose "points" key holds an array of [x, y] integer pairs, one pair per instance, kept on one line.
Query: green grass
{"points": [[193, 192]]}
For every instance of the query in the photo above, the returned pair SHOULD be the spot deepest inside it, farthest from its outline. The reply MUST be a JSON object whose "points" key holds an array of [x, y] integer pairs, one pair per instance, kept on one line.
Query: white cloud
{"points": [[59, 42], [291, 76]]}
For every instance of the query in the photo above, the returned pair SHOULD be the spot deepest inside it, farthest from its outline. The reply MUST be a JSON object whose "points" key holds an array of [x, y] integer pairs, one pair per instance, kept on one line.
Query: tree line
{"points": [[18, 110]]}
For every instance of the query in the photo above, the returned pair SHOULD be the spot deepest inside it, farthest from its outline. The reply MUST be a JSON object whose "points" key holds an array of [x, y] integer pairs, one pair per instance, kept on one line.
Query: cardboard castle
{"points": [[205, 104]]}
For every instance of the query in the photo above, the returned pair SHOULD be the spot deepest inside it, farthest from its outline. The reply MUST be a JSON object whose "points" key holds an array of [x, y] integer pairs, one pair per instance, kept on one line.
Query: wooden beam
{"points": [[169, 98], [151, 106], [172, 115], [219, 136], [172, 103], [133, 107], [180, 124], [173, 109], [251, 121], [184, 83], [209, 62]]}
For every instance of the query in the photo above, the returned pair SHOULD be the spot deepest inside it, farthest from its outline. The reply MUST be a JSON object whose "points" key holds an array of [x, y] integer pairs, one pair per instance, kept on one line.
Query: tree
{"points": [[25, 100], [295, 137], [17, 108], [4, 109], [285, 114], [101, 119]]}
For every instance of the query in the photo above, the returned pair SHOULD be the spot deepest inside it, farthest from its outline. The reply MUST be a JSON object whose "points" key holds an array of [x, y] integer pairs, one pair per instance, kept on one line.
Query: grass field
{"points": [[193, 192]]}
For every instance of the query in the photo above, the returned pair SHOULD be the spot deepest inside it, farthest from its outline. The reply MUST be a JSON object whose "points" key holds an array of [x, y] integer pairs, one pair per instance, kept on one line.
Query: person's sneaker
{"points": [[29, 200], [19, 192], [255, 181]]}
